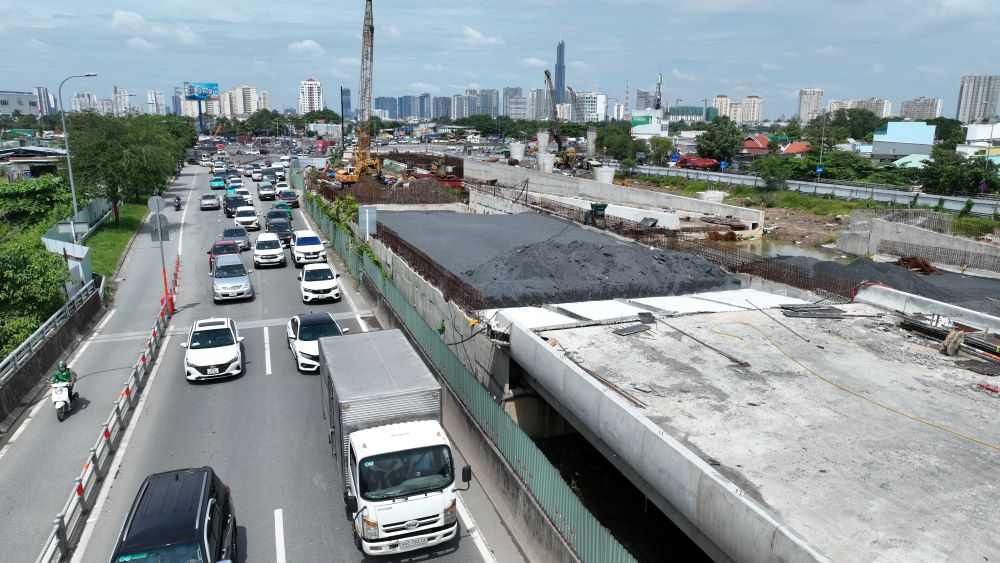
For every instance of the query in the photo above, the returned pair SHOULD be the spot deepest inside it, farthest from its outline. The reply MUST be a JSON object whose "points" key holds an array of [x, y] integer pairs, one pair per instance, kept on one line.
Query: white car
{"points": [[307, 248], [268, 251], [235, 183], [246, 217], [213, 350], [245, 194], [303, 333], [319, 282], [205, 162], [282, 185], [256, 175]]}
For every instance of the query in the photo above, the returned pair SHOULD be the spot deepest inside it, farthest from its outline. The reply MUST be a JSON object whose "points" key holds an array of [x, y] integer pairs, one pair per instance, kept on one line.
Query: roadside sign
{"points": [[675, 157], [820, 169], [984, 187], [723, 165], [640, 155], [156, 204]]}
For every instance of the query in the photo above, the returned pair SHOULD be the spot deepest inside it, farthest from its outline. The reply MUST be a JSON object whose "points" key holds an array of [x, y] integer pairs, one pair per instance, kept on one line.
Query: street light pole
{"points": [[69, 161], [822, 146]]}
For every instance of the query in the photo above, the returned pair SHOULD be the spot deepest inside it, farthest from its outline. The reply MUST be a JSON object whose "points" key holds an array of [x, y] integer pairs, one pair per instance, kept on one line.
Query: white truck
{"points": [[384, 411]]}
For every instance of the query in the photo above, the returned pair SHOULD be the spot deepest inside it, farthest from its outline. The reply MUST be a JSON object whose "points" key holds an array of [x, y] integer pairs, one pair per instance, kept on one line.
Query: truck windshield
{"points": [[401, 474]]}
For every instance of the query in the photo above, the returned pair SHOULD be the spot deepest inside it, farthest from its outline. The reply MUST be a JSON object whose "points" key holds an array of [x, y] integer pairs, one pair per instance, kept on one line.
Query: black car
{"points": [[289, 197], [238, 234], [282, 228], [273, 214], [231, 202], [181, 515]]}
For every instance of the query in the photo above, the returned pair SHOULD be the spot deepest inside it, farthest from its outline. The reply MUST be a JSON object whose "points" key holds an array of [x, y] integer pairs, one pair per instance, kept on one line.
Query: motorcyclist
{"points": [[177, 202], [63, 375]]}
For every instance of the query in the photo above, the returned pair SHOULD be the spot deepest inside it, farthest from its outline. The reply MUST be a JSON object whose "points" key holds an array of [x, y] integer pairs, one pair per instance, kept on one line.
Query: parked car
{"points": [[220, 248], [289, 197], [303, 333], [318, 282], [282, 228], [266, 190], [268, 250], [217, 183], [246, 216], [230, 279], [209, 201], [307, 247], [180, 515], [237, 234]]}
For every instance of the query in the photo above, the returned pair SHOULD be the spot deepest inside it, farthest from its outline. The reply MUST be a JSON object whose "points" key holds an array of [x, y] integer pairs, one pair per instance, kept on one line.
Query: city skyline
{"points": [[430, 49]]}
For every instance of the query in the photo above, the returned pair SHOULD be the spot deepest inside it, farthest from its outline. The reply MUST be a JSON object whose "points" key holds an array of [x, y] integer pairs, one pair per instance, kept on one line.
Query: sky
{"points": [[895, 49]]}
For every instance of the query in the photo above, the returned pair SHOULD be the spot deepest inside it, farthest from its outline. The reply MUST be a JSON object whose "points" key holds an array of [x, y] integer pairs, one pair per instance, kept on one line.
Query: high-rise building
{"points": [[459, 108], [489, 102], [82, 101], [345, 102], [560, 78], [45, 105], [156, 103], [516, 107], [122, 105], [387, 103], [593, 105], [721, 102], [508, 93], [264, 100], [922, 108], [753, 109], [620, 112], [424, 108], [977, 98], [106, 106], [188, 108], [442, 107], [244, 101], [810, 104], [643, 99], [539, 106], [175, 101], [310, 96], [406, 106], [879, 106]]}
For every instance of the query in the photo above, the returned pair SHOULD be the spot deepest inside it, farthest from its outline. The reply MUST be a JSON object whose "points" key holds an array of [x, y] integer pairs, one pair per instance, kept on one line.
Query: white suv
{"points": [[213, 350], [319, 282], [307, 248], [268, 250], [246, 217]]}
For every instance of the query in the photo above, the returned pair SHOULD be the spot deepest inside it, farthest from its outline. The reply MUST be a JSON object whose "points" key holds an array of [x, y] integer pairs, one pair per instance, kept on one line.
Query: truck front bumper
{"points": [[408, 542]]}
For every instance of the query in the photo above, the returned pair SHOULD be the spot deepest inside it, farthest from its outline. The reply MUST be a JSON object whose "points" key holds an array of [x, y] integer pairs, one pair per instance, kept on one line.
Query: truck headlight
{"points": [[451, 513], [369, 529]]}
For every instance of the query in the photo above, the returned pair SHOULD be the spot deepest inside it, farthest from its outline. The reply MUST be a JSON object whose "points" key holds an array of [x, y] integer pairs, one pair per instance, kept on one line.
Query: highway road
{"points": [[262, 432]]}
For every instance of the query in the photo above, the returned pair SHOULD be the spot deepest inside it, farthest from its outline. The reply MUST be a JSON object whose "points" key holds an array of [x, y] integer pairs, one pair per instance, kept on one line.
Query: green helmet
{"points": [[62, 365]]}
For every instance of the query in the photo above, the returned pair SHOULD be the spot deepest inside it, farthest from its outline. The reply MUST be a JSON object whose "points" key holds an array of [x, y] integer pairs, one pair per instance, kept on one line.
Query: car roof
{"points": [[168, 509], [224, 242], [228, 260], [208, 196], [213, 322], [305, 233], [320, 266], [245, 207], [266, 236], [315, 318]]}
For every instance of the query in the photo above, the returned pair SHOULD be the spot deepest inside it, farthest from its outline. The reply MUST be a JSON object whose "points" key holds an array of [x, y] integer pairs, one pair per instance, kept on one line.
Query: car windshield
{"points": [[245, 213], [234, 232], [230, 271], [319, 330], [210, 338], [181, 553], [268, 244], [208, 198], [307, 241], [401, 474], [227, 249], [317, 274], [287, 194]]}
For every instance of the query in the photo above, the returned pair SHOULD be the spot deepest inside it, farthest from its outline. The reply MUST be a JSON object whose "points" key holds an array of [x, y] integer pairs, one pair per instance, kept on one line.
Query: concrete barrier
{"points": [[894, 300]]}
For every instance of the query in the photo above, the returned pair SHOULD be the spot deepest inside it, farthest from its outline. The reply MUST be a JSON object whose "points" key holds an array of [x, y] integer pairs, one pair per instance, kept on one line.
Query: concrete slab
{"points": [[601, 310]]}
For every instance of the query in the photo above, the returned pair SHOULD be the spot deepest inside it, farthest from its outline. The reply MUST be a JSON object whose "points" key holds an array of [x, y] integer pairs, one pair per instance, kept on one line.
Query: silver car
{"points": [[230, 279]]}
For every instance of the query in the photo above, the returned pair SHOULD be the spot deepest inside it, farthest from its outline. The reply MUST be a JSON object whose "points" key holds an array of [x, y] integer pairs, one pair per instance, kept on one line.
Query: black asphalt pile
{"points": [[532, 259], [972, 292]]}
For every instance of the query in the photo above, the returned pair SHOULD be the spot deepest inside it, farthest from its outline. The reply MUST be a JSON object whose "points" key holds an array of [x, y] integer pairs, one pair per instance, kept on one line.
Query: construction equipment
{"points": [[552, 104], [658, 95], [364, 164], [219, 129]]}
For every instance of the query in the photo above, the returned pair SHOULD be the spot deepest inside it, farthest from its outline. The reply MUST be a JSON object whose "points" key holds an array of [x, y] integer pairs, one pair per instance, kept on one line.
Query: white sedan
{"points": [[319, 282], [213, 350], [303, 333]]}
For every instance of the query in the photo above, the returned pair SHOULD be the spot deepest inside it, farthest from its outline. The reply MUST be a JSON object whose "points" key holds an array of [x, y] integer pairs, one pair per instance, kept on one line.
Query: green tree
{"points": [[32, 200], [627, 166], [721, 140], [794, 128], [949, 132], [660, 149], [774, 169]]}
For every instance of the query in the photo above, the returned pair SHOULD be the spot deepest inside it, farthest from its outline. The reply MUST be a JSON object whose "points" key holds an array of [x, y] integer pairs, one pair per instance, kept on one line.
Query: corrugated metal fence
{"points": [[579, 528]]}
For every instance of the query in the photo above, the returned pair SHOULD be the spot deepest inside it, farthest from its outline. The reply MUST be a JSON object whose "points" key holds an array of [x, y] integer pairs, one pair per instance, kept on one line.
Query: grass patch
{"points": [[974, 227], [108, 244]]}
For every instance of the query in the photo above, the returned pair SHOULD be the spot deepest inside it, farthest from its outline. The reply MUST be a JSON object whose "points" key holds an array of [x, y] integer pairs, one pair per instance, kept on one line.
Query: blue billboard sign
{"points": [[820, 169], [201, 90], [675, 157], [723, 165]]}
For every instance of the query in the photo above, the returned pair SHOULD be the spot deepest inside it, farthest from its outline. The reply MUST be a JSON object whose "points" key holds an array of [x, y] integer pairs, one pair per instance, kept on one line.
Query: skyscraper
{"points": [[45, 106], [643, 99], [424, 106], [407, 106], [264, 100], [810, 104], [516, 106], [388, 104], [508, 93], [921, 108], [560, 77], [442, 107], [539, 106], [345, 101], [155, 102], [977, 98], [489, 102], [310, 96]]}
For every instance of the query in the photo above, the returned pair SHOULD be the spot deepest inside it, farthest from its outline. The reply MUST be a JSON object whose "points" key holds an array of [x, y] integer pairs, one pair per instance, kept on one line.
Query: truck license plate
{"points": [[213, 371], [412, 542]]}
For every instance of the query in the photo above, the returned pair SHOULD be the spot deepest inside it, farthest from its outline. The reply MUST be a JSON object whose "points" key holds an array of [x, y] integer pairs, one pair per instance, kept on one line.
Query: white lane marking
{"points": [[180, 238], [88, 529], [34, 411], [76, 356], [17, 433], [3, 451], [279, 536], [477, 536], [107, 318], [267, 353]]}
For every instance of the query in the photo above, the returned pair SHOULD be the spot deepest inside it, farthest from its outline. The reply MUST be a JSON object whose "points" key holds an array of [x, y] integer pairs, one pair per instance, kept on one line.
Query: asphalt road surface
{"points": [[262, 432]]}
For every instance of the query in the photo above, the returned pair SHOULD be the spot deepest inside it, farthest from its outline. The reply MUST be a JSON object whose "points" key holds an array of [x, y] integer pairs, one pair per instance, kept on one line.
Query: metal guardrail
{"points": [[70, 522], [22, 352]]}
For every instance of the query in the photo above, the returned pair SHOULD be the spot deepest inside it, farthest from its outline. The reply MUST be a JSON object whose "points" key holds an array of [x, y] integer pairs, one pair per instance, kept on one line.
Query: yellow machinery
{"points": [[364, 163]]}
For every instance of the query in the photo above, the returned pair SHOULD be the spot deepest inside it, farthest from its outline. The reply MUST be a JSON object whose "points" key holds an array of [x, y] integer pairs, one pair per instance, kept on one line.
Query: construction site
{"points": [[703, 402]]}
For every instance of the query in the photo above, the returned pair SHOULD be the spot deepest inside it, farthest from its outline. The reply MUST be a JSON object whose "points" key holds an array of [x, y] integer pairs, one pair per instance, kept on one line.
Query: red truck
{"points": [[695, 163]]}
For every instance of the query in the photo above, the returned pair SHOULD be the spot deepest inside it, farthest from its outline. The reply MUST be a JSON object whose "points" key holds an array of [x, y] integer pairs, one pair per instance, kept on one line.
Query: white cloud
{"points": [[830, 51], [307, 47], [769, 66], [434, 67], [36, 45], [476, 38], [423, 87], [348, 61], [533, 62], [876, 68], [682, 76], [188, 37], [392, 31], [337, 73], [140, 44], [581, 66], [124, 20]]}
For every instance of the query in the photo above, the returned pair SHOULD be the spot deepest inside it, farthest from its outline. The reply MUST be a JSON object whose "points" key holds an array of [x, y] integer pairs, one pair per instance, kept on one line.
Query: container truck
{"points": [[384, 411]]}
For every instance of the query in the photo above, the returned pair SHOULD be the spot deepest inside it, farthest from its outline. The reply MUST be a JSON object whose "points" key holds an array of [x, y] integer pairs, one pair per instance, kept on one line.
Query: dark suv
{"points": [[182, 515], [231, 203]]}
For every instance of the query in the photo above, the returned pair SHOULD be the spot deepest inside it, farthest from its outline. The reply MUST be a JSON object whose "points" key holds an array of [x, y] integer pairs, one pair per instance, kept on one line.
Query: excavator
{"points": [[364, 164]]}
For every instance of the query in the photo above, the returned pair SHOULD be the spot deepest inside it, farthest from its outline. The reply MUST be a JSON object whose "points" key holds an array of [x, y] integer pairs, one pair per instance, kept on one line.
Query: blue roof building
{"points": [[897, 139]]}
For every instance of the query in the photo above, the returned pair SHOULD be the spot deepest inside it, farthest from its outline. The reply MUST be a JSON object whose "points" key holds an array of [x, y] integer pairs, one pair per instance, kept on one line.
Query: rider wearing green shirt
{"points": [[63, 375]]}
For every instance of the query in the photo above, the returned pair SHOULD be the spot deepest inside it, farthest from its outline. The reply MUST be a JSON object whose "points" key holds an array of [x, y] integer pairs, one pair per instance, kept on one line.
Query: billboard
{"points": [[201, 90]]}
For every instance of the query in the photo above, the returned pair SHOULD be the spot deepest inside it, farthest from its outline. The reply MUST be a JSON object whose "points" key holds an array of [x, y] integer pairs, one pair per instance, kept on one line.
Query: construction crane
{"points": [[552, 104], [364, 164], [658, 96]]}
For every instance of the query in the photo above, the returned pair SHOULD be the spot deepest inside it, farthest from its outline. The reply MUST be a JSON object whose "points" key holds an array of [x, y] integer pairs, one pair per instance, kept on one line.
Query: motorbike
{"points": [[63, 402], [177, 204]]}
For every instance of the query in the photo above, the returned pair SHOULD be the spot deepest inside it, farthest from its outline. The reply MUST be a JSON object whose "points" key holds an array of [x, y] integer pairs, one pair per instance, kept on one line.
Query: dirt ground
{"points": [[790, 225]]}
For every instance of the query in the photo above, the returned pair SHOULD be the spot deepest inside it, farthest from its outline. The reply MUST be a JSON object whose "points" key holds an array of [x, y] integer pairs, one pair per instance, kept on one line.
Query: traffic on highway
{"points": [[231, 455]]}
